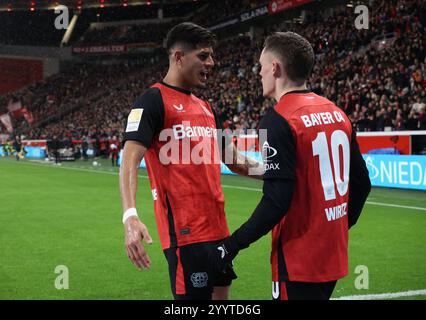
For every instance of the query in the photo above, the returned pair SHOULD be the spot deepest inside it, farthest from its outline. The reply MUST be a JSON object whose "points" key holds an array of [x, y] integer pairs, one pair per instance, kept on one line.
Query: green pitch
{"points": [[71, 215]]}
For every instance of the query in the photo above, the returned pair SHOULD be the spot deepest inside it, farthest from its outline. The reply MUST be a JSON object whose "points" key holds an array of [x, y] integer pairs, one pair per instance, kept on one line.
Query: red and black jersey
{"points": [[315, 187], [309, 141], [179, 131]]}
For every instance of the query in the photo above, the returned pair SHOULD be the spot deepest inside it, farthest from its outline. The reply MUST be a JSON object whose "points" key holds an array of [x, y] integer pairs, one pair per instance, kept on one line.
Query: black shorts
{"points": [[192, 276], [291, 290]]}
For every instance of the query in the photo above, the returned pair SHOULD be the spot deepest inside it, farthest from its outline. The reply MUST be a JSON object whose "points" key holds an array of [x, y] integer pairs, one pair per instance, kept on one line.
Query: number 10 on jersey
{"points": [[329, 165]]}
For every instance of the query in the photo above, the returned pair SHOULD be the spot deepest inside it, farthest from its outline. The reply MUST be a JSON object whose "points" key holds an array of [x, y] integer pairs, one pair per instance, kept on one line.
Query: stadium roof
{"points": [[12, 5]]}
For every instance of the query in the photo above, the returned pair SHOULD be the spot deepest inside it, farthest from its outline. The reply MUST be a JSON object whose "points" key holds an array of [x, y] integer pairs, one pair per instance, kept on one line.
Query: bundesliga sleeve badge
{"points": [[134, 120]]}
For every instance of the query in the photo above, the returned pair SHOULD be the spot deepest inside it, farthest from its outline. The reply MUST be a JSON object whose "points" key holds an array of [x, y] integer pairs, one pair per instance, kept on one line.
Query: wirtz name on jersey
{"points": [[336, 212]]}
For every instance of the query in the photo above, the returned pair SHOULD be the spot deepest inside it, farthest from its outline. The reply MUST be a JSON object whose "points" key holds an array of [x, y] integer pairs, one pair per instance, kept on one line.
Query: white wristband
{"points": [[131, 212]]}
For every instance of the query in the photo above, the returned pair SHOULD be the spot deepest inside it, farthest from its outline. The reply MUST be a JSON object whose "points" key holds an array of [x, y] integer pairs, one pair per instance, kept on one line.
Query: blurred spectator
{"points": [[379, 87]]}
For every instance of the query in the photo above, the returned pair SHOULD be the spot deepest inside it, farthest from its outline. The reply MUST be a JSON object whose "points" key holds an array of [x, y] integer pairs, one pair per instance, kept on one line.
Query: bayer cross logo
{"points": [[199, 279]]}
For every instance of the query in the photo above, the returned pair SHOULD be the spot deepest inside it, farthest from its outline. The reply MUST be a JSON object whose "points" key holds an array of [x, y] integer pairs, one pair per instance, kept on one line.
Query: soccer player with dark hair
{"points": [[315, 182], [188, 197]]}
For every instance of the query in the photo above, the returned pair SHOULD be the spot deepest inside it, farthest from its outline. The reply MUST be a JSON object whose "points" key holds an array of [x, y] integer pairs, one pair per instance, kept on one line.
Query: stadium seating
{"points": [[379, 83]]}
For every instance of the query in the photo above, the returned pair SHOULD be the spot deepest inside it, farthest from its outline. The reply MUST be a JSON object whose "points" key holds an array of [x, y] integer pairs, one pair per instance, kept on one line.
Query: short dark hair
{"points": [[295, 52], [190, 35]]}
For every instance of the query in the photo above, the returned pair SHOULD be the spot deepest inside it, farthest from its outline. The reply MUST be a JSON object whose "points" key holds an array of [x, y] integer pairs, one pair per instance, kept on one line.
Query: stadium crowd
{"points": [[379, 83], [213, 12], [37, 28]]}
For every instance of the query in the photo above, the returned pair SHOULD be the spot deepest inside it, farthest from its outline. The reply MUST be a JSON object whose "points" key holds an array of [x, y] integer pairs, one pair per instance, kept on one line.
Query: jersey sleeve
{"points": [[276, 200], [279, 148], [359, 183], [146, 119]]}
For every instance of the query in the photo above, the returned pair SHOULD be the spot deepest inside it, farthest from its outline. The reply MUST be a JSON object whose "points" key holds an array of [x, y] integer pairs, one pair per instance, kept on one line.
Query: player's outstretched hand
{"points": [[223, 253], [135, 231]]}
